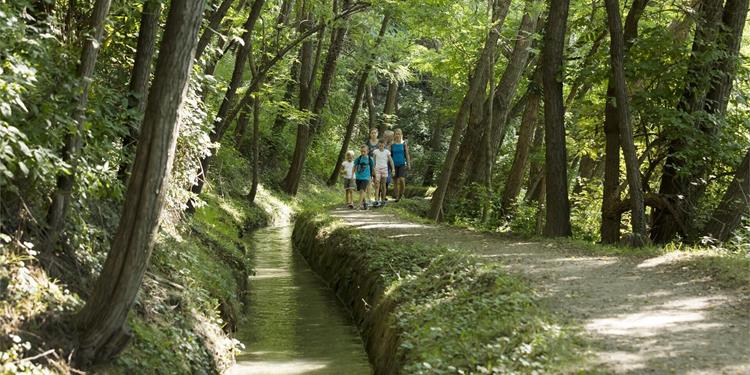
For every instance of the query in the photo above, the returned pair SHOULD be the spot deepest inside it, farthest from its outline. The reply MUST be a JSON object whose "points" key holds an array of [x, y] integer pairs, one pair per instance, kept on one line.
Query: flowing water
{"points": [[295, 324]]}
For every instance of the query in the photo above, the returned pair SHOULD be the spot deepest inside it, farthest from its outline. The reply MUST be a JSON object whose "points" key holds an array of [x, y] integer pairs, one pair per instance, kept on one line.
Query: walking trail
{"points": [[640, 316]]}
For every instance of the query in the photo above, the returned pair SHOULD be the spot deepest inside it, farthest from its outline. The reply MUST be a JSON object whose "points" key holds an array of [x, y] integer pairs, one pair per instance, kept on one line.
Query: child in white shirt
{"points": [[347, 170], [382, 161]]}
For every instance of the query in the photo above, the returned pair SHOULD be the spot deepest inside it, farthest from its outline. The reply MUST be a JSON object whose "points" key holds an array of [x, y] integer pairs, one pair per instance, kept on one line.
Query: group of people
{"points": [[382, 159]]}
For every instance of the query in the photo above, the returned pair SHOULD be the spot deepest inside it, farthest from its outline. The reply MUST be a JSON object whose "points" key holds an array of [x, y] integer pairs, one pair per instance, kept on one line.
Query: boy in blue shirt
{"points": [[363, 170]]}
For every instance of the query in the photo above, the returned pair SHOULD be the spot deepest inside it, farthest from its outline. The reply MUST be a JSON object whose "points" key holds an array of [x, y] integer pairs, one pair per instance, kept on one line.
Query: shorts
{"points": [[362, 185], [401, 171], [381, 173], [349, 184]]}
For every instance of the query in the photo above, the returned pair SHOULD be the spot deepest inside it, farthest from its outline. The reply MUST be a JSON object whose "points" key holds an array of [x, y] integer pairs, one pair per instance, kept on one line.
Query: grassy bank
{"points": [[184, 315], [433, 310]]}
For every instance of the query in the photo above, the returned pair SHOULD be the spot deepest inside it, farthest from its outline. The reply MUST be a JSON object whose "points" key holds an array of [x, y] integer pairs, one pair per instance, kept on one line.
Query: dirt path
{"points": [[641, 317]]}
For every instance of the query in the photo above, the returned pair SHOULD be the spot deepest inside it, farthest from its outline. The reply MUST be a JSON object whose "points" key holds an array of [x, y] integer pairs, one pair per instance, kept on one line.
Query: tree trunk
{"points": [[139, 77], [675, 180], [500, 9], [536, 168], [586, 172], [617, 59], [214, 20], [502, 101], [523, 146], [733, 206], [255, 146], [389, 109], [102, 331], [557, 221], [306, 132], [476, 127], [74, 141], [611, 217], [358, 96], [432, 152]]}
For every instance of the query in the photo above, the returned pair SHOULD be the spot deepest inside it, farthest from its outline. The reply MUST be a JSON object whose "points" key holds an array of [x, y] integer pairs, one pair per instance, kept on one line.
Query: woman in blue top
{"points": [[401, 161]]}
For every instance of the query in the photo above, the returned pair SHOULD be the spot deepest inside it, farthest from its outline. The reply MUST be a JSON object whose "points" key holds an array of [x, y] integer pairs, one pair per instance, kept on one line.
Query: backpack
{"points": [[361, 165]]}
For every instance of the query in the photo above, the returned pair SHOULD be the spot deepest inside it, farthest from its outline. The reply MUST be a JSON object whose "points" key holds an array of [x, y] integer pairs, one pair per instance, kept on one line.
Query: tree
{"points": [[139, 77], [617, 58], [523, 146], [221, 122], [58, 209], [735, 203], [611, 217], [557, 221], [499, 9], [707, 85], [103, 331], [307, 131]]}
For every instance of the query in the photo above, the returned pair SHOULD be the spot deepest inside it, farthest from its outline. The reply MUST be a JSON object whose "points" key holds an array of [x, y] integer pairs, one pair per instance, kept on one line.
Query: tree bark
{"points": [[307, 131], [432, 152], [102, 322], [557, 216], [139, 78], [255, 147], [523, 146], [611, 218], [617, 59], [214, 20], [735, 203], [389, 108], [534, 188], [358, 96], [500, 9], [73, 141]]}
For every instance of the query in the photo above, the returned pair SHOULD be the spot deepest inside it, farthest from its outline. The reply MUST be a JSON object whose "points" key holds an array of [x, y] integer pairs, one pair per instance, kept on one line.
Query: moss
{"points": [[434, 310]]}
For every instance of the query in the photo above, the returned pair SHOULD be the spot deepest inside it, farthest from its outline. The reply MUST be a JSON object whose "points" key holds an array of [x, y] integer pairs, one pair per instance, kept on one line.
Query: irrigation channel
{"points": [[296, 325]]}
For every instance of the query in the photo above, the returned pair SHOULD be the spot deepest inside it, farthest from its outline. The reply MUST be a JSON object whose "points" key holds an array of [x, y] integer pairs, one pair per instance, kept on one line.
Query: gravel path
{"points": [[640, 316]]}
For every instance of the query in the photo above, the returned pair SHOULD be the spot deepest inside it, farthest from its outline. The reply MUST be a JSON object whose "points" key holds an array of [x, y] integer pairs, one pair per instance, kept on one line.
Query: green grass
{"points": [[455, 314]]}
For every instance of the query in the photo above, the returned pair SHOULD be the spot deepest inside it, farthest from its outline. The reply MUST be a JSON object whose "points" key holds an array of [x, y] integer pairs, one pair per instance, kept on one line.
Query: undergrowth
{"points": [[455, 314]]}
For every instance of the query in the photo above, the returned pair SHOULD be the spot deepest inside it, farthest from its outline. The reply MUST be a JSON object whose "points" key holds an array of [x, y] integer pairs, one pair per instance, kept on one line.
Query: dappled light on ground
{"points": [[639, 315]]}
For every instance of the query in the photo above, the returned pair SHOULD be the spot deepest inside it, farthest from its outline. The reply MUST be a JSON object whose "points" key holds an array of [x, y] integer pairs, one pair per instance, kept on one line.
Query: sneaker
{"points": [[364, 206], [376, 204], [351, 206]]}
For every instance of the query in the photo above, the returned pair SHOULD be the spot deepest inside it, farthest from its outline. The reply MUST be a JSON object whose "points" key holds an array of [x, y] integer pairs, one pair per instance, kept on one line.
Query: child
{"points": [[382, 162], [402, 162], [363, 167], [347, 170], [372, 145]]}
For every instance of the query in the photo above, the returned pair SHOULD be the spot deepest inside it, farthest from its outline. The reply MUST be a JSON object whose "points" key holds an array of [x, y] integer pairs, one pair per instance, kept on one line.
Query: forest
{"points": [[142, 143]]}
